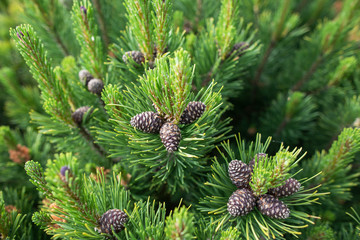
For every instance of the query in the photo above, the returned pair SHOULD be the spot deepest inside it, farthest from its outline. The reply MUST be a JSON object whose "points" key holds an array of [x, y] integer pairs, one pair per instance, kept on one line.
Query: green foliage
{"points": [[147, 150], [272, 172], [231, 233], [57, 101], [140, 19], [355, 216], [289, 117], [287, 69], [321, 231], [169, 85], [335, 165], [179, 224], [52, 22], [10, 221], [147, 220], [74, 197], [225, 29], [92, 53]]}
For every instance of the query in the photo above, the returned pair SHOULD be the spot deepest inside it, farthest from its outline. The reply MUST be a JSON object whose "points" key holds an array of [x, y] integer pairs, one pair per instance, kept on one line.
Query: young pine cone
{"points": [[259, 156], [193, 111], [137, 57], [95, 86], [170, 136], [78, 115], [239, 48], [239, 173], [85, 76], [272, 207], [115, 218], [241, 202], [290, 187], [148, 122]]}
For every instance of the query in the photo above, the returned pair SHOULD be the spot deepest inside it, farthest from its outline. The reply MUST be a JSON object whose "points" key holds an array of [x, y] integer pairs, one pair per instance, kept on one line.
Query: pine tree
{"points": [[133, 130]]}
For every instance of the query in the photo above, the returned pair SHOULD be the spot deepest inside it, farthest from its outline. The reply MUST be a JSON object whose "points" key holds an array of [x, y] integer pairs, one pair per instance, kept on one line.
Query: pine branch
{"points": [[139, 17], [102, 25], [219, 188], [91, 141], [92, 54], [335, 165], [308, 74], [50, 25], [261, 67], [161, 21], [57, 100], [225, 29]]}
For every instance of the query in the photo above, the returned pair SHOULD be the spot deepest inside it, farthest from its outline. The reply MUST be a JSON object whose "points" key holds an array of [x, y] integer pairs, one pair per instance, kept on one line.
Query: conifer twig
{"points": [[308, 74], [260, 69], [84, 132], [102, 24], [82, 207], [51, 27]]}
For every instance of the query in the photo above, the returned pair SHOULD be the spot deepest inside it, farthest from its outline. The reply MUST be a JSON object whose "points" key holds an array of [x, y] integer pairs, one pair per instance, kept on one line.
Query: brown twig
{"points": [[309, 73], [84, 132], [260, 69]]}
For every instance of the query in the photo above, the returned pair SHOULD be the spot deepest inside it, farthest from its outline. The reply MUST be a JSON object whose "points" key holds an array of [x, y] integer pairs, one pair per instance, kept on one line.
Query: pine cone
{"points": [[241, 202], [290, 187], [260, 156], [170, 136], [239, 173], [193, 111], [85, 76], [137, 56], [272, 207], [96, 86], [148, 122], [115, 218], [63, 170], [78, 115], [239, 48]]}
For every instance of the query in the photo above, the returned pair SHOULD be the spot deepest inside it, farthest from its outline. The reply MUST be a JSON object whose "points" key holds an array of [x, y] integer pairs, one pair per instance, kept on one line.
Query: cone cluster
{"points": [[113, 218], [94, 85], [243, 201], [170, 134]]}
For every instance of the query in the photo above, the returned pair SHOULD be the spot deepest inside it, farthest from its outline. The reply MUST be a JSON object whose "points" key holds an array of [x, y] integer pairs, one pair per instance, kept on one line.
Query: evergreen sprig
{"points": [[161, 21], [286, 112], [139, 17], [78, 201], [180, 224], [10, 221], [52, 22], [225, 28], [355, 216], [36, 173], [210, 65], [54, 88], [271, 172], [169, 84], [147, 220], [254, 225], [335, 165], [85, 28]]}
